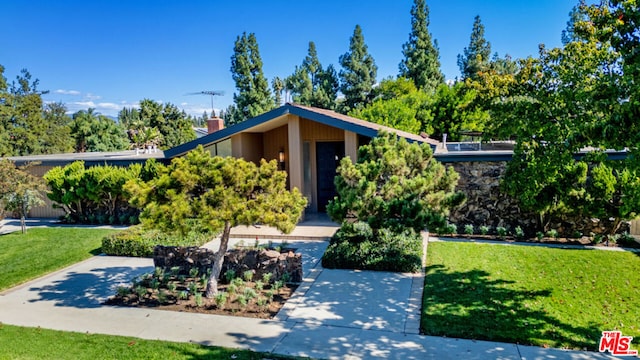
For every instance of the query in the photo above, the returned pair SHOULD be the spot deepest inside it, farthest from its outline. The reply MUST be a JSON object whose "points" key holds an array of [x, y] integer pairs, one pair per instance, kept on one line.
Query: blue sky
{"points": [[110, 54]]}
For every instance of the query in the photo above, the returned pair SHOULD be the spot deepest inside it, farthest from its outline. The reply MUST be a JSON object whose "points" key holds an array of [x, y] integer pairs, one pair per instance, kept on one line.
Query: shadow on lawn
{"points": [[473, 305]]}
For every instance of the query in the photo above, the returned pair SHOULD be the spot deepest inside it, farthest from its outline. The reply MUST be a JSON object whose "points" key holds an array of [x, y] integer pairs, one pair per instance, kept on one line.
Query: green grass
{"points": [[530, 295], [42, 250], [36, 343]]}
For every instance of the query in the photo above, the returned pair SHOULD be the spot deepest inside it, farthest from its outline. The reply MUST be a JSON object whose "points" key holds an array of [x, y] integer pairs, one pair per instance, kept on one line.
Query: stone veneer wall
{"points": [[487, 205]]}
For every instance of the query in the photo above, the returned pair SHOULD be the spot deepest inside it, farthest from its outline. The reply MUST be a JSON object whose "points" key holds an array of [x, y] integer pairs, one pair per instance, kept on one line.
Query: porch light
{"points": [[281, 159]]}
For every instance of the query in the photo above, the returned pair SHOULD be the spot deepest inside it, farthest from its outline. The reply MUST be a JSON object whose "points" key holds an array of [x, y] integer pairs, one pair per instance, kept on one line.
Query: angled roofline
{"points": [[326, 117]]}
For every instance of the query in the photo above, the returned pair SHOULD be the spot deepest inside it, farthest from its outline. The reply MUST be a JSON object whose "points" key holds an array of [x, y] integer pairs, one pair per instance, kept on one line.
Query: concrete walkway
{"points": [[334, 314]]}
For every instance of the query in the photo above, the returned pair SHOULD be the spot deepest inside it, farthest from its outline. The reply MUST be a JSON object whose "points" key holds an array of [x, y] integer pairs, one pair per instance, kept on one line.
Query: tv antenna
{"points": [[211, 93]]}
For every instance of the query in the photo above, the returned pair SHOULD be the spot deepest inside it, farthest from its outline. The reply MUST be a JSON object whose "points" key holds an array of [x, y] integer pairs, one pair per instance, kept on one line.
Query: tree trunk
{"points": [[216, 266], [23, 224]]}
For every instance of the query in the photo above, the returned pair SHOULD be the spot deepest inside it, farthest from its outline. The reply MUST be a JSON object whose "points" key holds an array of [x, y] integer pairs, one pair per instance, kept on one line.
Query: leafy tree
{"points": [[421, 61], [475, 58], [312, 85], [253, 97], [95, 132], [58, 135], [19, 190], [163, 124], [397, 107], [453, 110], [21, 118], [358, 74], [217, 194], [394, 185]]}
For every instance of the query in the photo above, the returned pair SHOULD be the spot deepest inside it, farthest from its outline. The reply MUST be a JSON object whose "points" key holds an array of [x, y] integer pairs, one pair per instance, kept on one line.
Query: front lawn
{"points": [[42, 250], [530, 295], [36, 343]]}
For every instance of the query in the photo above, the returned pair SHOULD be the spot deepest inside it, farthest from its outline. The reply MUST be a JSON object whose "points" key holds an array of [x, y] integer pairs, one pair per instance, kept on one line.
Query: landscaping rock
{"points": [[261, 261]]}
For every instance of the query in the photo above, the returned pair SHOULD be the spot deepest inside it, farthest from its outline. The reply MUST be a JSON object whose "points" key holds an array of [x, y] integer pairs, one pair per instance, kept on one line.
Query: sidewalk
{"points": [[334, 314]]}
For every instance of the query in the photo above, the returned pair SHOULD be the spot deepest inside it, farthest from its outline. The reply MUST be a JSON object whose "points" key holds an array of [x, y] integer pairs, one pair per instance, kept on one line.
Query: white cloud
{"points": [[90, 96], [66, 92]]}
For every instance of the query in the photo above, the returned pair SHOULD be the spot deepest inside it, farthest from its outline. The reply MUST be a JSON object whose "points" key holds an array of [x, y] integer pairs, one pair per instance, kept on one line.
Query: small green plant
{"points": [[193, 287], [238, 282], [596, 238], [232, 289], [158, 271], [123, 291], [229, 275], [484, 229], [286, 277], [183, 295], [614, 238], [193, 272], [256, 244], [198, 300], [242, 300], [277, 285], [552, 233], [162, 297], [627, 240], [450, 228], [221, 299], [171, 287], [576, 234], [266, 277], [154, 284], [262, 302], [518, 232], [259, 285], [249, 293], [141, 291], [468, 229], [501, 231], [203, 281], [539, 235], [175, 270], [182, 278], [247, 275], [269, 294]]}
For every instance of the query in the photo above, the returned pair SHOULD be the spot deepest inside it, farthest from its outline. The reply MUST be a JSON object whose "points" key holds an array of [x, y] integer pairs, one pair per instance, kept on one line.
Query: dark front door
{"points": [[328, 155]]}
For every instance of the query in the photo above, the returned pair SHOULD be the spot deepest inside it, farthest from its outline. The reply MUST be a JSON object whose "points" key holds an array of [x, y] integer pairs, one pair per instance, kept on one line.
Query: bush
{"points": [[501, 231], [518, 232], [468, 229], [357, 246], [138, 242]]}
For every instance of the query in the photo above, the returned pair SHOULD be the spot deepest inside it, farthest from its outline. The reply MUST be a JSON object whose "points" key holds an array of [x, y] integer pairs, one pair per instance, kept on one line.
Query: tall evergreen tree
{"points": [[475, 58], [93, 132], [253, 97], [58, 135], [358, 74], [421, 61], [277, 85], [312, 85]]}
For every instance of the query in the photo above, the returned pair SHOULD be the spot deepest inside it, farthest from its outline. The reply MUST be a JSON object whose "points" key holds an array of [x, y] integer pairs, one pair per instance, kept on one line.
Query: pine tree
{"points": [[277, 85], [358, 74], [475, 58], [253, 97], [421, 61], [312, 85]]}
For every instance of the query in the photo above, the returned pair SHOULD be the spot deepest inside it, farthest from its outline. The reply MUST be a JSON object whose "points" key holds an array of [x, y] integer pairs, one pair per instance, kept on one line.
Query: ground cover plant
{"points": [[238, 294], [43, 250], [36, 343], [541, 296]]}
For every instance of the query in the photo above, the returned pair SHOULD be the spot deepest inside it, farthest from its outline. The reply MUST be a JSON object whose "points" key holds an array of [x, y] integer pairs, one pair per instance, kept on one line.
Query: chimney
{"points": [[214, 124]]}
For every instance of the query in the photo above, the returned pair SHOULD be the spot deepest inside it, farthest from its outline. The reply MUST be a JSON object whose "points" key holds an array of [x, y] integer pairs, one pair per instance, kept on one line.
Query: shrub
{"points": [[518, 232], [484, 230], [138, 242], [501, 231], [355, 246], [552, 233], [627, 240], [468, 229]]}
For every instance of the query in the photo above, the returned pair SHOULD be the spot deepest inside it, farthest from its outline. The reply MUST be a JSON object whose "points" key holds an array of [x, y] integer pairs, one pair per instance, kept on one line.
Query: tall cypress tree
{"points": [[475, 58], [253, 97], [421, 61], [358, 74]]}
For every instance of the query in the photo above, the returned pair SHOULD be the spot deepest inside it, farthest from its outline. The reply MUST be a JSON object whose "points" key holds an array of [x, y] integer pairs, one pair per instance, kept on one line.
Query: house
{"points": [[307, 142]]}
